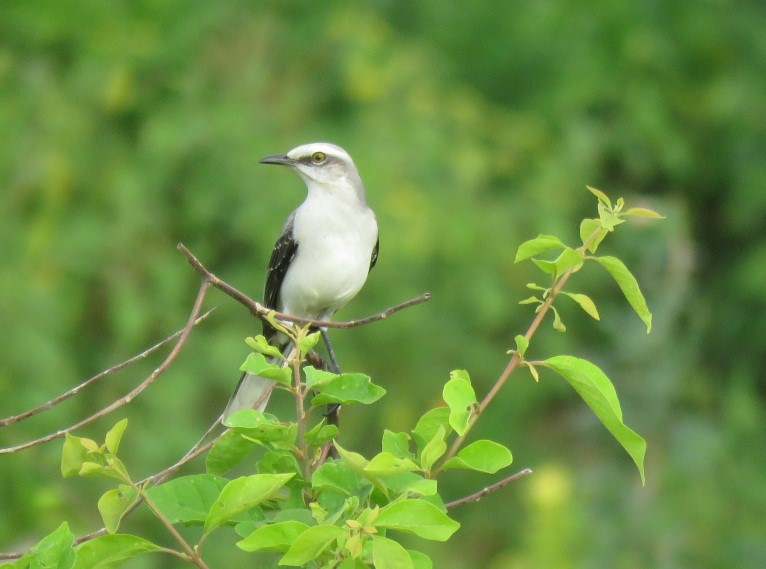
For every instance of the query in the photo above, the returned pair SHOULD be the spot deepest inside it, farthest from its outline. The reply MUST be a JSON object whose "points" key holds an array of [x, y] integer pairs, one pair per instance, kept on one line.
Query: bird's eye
{"points": [[318, 157]]}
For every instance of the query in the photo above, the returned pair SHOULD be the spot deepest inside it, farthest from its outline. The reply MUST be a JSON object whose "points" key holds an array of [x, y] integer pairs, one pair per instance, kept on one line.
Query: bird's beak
{"points": [[277, 159]]}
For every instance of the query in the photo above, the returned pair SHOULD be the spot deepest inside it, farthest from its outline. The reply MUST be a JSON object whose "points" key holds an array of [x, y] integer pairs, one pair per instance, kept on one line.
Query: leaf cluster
{"points": [[311, 510]]}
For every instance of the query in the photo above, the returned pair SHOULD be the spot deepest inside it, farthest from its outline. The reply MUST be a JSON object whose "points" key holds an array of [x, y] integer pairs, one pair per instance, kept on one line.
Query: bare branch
{"points": [[136, 391], [475, 497], [261, 311], [75, 390]]}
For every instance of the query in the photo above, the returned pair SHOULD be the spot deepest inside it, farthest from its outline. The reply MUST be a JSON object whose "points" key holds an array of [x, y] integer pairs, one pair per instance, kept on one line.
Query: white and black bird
{"points": [[321, 260]]}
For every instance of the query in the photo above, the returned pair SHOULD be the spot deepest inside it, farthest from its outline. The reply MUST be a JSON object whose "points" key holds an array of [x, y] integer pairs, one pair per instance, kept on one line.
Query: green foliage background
{"points": [[130, 126]]}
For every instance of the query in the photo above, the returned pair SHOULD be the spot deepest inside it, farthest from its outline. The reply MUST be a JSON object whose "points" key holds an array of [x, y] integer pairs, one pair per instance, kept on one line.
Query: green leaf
{"points": [[73, 456], [410, 482], [539, 244], [531, 300], [286, 328], [629, 286], [276, 461], [321, 434], [385, 463], [91, 445], [340, 477], [302, 515], [256, 364], [112, 469], [273, 537], [307, 343], [602, 197], [458, 393], [188, 499], [598, 393], [90, 468], [388, 554], [227, 452], [348, 563], [484, 456], [419, 517], [433, 451], [548, 267], [310, 544], [420, 560], [359, 464], [609, 219], [429, 424], [242, 494], [568, 259], [349, 388], [108, 551], [114, 435], [643, 212], [354, 459], [113, 504], [256, 426], [587, 228], [521, 345], [585, 303], [318, 377], [532, 371], [397, 444], [261, 345], [53, 551], [558, 325]]}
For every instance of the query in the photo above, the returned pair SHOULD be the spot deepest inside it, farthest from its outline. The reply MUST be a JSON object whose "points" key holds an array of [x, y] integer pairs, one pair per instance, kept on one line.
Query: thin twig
{"points": [[515, 360], [261, 311], [136, 391], [476, 496], [75, 390], [194, 556], [198, 449]]}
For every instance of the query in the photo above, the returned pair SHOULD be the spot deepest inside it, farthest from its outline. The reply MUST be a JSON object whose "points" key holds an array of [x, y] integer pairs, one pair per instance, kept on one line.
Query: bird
{"points": [[325, 251]]}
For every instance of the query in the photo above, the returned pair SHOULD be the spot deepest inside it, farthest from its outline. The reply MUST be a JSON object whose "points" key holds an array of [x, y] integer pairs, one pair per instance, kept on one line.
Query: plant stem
{"points": [[192, 554], [476, 496], [515, 360], [301, 417]]}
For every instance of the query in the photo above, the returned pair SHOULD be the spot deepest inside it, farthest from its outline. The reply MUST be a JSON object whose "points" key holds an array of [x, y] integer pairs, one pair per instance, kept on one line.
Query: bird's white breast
{"points": [[335, 241]]}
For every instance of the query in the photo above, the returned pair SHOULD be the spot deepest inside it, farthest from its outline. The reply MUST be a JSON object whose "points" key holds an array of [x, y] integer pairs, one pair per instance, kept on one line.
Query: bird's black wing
{"points": [[374, 257], [281, 256]]}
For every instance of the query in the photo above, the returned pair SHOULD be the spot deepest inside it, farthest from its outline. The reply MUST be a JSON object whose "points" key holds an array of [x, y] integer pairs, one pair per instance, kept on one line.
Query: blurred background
{"points": [[128, 127]]}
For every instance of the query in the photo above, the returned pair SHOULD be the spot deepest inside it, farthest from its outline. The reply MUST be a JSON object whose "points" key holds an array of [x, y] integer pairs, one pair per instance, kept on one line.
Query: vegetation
{"points": [[127, 129]]}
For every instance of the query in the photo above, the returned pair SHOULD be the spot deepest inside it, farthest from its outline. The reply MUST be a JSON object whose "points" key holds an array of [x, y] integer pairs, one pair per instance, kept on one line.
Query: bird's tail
{"points": [[252, 392]]}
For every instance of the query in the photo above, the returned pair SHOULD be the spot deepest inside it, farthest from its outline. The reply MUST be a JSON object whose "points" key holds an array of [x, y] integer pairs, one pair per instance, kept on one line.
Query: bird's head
{"points": [[320, 164]]}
